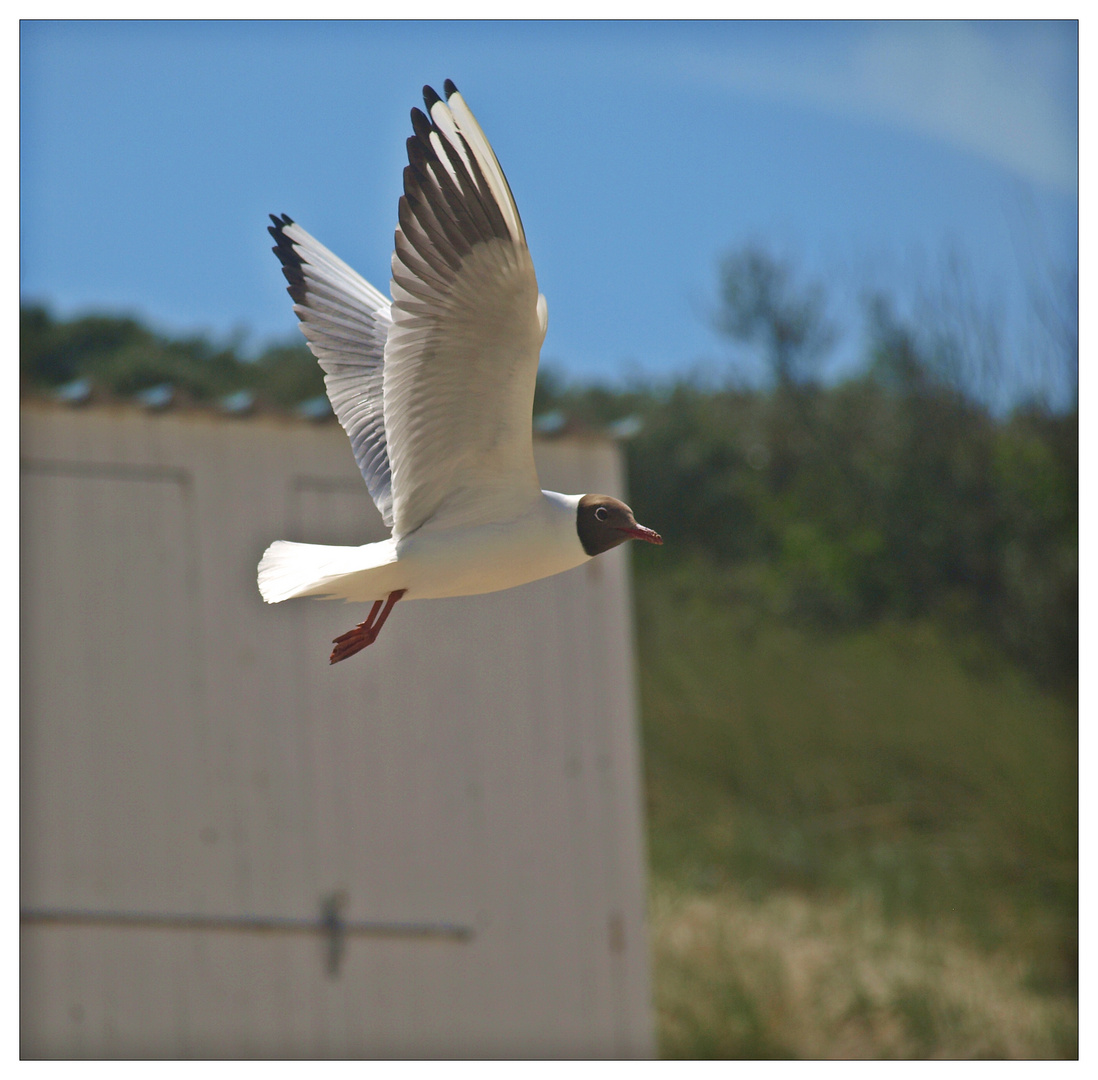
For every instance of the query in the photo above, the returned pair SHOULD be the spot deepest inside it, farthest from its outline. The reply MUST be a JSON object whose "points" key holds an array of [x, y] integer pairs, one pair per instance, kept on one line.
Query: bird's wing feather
{"points": [[467, 325], [345, 321]]}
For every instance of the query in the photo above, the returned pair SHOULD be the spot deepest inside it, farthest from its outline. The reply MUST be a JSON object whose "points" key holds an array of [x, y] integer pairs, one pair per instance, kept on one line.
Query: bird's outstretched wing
{"points": [[345, 321], [467, 325]]}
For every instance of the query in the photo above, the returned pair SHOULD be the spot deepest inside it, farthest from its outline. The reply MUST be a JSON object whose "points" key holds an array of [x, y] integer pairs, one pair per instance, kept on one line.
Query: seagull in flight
{"points": [[435, 391]]}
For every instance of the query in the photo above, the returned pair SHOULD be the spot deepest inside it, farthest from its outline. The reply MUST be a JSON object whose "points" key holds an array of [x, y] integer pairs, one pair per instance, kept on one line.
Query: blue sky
{"points": [[151, 153]]}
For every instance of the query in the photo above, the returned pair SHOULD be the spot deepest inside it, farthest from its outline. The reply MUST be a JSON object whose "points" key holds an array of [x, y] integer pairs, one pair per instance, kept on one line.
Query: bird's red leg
{"points": [[363, 626], [366, 632]]}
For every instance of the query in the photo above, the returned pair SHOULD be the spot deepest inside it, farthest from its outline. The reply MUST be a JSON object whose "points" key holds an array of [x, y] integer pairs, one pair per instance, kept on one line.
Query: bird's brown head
{"points": [[603, 522]]}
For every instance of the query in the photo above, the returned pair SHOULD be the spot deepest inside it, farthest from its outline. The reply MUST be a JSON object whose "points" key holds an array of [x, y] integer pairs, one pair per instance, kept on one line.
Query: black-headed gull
{"points": [[436, 393]]}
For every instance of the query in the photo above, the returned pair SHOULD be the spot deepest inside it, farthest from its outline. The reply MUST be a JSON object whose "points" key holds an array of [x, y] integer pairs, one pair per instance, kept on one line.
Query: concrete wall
{"points": [[196, 779]]}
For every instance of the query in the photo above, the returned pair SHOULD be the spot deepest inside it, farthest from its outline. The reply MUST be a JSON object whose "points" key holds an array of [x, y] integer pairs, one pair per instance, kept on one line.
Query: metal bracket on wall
{"points": [[330, 924]]}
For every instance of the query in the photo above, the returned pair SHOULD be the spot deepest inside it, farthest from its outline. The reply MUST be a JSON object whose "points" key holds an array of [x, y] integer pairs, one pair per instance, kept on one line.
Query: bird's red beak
{"points": [[639, 532]]}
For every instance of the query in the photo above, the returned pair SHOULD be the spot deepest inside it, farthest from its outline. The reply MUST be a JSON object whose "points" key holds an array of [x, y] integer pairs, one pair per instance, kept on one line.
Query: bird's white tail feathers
{"points": [[288, 570]]}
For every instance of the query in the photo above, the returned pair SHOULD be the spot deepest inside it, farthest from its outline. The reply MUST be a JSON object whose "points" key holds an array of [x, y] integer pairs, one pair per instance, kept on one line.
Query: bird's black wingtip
{"points": [[450, 88], [430, 97], [421, 125], [282, 221]]}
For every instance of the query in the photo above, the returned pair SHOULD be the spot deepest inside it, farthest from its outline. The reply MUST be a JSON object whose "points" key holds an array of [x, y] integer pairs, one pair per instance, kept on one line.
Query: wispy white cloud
{"points": [[1006, 93]]}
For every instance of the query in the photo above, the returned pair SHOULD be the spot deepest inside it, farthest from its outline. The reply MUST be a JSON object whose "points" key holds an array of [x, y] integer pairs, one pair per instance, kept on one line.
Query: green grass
{"points": [[904, 773]]}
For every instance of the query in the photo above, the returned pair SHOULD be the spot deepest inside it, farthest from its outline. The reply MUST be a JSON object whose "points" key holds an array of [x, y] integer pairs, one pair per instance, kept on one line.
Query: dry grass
{"points": [[785, 977]]}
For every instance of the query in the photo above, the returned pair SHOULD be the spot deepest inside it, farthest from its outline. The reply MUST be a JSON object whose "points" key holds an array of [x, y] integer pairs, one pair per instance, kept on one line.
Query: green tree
{"points": [[761, 303]]}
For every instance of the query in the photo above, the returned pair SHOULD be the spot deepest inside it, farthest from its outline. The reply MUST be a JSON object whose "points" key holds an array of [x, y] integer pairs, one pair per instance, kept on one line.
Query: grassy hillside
{"points": [[862, 843]]}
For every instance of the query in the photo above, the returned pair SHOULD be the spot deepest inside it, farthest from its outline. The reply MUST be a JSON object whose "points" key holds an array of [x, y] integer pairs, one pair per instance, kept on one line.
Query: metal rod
{"points": [[262, 924]]}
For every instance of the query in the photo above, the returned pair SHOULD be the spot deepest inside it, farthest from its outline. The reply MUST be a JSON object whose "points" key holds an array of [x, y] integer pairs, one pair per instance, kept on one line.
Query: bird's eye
{"points": [[602, 513]]}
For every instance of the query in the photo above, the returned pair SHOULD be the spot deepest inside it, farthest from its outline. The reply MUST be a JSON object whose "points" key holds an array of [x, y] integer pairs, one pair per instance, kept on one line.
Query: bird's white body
{"points": [[432, 563]]}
